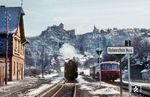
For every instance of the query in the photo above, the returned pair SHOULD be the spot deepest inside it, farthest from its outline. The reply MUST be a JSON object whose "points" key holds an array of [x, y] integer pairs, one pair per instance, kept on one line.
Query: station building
{"points": [[12, 30]]}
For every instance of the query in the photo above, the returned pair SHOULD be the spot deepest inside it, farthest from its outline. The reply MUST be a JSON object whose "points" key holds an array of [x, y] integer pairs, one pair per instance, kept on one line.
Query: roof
{"points": [[14, 14], [106, 62], [111, 62]]}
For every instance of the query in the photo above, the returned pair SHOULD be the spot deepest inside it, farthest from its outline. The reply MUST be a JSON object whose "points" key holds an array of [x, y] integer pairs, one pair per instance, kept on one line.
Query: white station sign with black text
{"points": [[120, 50]]}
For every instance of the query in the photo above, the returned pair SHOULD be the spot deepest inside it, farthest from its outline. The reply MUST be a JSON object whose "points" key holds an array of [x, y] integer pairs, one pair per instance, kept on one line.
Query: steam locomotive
{"points": [[71, 70]]}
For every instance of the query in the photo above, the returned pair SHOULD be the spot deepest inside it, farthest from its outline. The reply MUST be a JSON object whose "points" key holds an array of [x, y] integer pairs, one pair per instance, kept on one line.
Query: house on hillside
{"points": [[16, 42]]}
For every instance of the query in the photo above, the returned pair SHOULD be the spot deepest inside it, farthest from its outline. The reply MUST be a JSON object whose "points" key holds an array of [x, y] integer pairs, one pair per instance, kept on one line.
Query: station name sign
{"points": [[120, 50]]}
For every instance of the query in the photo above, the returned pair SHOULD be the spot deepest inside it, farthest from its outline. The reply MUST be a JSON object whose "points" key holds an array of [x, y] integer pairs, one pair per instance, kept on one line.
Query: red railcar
{"points": [[109, 70]]}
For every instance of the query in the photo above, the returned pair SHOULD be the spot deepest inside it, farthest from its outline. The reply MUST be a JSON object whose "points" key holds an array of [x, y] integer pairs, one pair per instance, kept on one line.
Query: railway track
{"points": [[61, 89], [143, 91]]}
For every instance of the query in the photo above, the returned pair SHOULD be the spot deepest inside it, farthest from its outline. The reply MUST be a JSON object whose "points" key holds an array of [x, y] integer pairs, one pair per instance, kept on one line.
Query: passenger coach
{"points": [[109, 70]]}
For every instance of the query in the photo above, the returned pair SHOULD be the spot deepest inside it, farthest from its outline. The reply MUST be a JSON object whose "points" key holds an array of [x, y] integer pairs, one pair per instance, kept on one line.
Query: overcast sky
{"points": [[82, 15]]}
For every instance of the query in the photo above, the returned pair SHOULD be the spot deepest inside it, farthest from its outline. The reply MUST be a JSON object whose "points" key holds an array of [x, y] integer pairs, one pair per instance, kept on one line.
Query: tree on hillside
{"points": [[141, 48], [28, 59]]}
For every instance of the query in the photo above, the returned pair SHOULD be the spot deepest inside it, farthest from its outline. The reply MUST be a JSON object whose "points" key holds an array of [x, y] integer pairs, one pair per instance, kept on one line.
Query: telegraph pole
{"points": [[21, 3], [120, 77], [129, 77], [43, 62], [128, 43], [6, 45]]}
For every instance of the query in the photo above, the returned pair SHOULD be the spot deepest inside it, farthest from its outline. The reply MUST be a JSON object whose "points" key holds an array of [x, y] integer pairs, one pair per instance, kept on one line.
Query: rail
{"points": [[75, 91], [47, 91], [58, 91], [61, 89], [143, 90]]}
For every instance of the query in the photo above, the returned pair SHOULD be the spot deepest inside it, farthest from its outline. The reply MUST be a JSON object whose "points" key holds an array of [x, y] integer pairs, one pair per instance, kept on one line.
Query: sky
{"points": [[82, 15]]}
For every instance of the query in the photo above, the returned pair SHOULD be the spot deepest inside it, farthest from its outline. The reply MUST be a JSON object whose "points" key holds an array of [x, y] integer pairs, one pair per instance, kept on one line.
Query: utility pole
{"points": [[6, 45], [120, 56], [128, 43], [21, 3], [129, 77], [120, 79], [43, 61]]}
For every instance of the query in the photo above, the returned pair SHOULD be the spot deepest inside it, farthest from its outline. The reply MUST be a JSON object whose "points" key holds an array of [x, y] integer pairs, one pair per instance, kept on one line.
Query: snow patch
{"points": [[34, 92], [49, 75], [105, 91]]}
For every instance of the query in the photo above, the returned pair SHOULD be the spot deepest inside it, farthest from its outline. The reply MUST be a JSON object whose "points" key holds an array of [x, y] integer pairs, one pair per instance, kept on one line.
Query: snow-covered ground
{"points": [[81, 80], [94, 87], [85, 71], [19, 83], [36, 91], [91, 88], [14, 85], [48, 76]]}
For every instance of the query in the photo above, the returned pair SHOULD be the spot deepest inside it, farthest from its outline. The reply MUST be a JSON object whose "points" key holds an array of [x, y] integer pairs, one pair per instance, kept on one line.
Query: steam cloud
{"points": [[68, 51]]}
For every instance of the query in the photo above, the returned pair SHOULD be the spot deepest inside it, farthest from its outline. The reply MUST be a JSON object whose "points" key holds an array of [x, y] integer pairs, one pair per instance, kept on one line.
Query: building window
{"points": [[21, 49], [18, 46], [14, 68], [16, 43]]}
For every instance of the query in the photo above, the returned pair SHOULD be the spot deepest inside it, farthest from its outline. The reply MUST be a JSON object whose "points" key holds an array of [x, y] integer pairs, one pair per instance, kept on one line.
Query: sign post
{"points": [[129, 79], [99, 51], [122, 50]]}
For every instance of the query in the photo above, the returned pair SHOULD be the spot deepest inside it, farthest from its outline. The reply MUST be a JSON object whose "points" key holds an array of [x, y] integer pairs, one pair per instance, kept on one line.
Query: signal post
{"points": [[99, 51]]}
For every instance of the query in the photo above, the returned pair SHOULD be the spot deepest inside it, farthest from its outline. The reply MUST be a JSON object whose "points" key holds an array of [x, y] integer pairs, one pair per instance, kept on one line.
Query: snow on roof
{"points": [[14, 14], [112, 62]]}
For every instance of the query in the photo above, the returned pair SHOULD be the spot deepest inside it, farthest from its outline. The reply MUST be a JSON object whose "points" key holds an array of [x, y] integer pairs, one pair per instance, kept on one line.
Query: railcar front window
{"points": [[114, 67], [109, 66], [106, 67]]}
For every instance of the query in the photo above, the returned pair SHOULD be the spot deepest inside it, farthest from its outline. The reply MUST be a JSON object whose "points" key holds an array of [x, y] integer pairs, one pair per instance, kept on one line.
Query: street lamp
{"points": [[99, 51]]}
